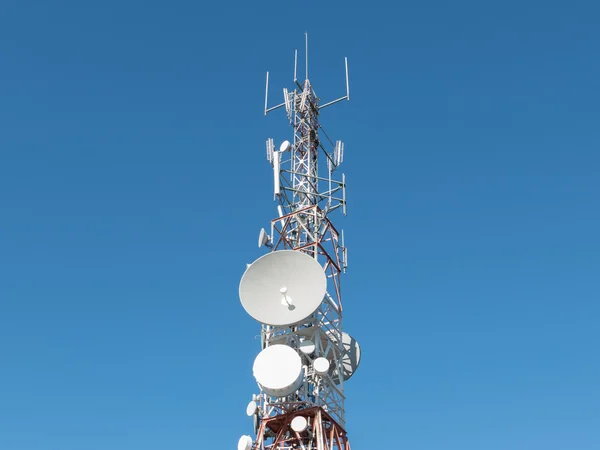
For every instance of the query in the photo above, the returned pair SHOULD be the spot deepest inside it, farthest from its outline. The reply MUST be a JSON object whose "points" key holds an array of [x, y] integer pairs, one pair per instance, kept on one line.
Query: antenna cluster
{"points": [[294, 291]]}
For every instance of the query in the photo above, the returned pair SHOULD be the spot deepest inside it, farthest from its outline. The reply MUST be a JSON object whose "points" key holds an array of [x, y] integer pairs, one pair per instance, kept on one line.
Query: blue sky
{"points": [[133, 184]]}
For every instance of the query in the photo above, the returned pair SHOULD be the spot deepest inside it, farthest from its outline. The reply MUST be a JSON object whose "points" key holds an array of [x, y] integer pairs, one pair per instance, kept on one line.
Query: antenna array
{"points": [[295, 291]]}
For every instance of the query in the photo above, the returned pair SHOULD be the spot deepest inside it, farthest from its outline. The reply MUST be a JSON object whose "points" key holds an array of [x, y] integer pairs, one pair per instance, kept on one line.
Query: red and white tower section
{"points": [[294, 291]]}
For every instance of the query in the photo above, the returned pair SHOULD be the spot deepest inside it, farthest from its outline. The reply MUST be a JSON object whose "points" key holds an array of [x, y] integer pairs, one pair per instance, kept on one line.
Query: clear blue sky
{"points": [[133, 183]]}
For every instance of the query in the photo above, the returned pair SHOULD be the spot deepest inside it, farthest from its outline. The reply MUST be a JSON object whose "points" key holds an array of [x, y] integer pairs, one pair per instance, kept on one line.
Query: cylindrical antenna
{"points": [[306, 35], [347, 83], [344, 193], [276, 183], [266, 93], [295, 64]]}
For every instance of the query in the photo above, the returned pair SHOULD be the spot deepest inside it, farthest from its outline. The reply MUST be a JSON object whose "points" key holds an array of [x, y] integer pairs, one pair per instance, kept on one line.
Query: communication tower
{"points": [[294, 291]]}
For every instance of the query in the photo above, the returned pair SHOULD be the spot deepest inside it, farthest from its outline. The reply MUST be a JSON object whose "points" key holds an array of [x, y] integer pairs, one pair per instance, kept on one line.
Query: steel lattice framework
{"points": [[307, 190]]}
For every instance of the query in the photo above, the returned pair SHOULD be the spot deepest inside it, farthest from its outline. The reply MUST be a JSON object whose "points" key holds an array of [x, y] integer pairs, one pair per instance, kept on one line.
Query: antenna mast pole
{"points": [[308, 190]]}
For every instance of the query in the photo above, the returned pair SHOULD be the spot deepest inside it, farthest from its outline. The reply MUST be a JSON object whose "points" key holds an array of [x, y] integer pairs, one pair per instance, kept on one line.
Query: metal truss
{"points": [[323, 432], [308, 192]]}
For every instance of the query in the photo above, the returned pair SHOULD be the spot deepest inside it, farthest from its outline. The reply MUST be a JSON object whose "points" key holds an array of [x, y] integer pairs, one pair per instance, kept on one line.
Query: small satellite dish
{"points": [[299, 424], [321, 365], [283, 287], [263, 238], [307, 346], [251, 408], [245, 443], [285, 146], [278, 370]]}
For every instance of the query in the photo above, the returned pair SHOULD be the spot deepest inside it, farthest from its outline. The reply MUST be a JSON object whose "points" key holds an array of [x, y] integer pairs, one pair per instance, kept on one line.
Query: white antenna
{"points": [[280, 212], [278, 370], [347, 81], [344, 253], [306, 36], [295, 64], [264, 239], [339, 153], [266, 93], [294, 291], [276, 170], [270, 149], [285, 147], [299, 424], [288, 104]]}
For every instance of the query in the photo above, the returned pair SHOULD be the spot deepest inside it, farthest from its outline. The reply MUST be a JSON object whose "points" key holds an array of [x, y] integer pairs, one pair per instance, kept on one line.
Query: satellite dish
{"points": [[251, 408], [285, 146], [350, 358], [278, 370], [307, 346], [321, 365], [245, 443], [263, 238], [283, 287], [299, 424]]}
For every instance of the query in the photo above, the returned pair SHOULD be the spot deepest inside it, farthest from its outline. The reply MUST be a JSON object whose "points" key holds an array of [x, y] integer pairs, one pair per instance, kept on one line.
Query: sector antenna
{"points": [[294, 290]]}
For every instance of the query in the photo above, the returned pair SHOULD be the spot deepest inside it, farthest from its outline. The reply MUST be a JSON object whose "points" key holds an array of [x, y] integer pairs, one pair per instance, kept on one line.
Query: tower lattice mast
{"points": [[308, 411]]}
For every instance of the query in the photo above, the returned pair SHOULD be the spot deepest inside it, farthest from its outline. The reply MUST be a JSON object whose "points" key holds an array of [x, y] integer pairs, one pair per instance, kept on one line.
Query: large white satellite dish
{"points": [[278, 370], [283, 287]]}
